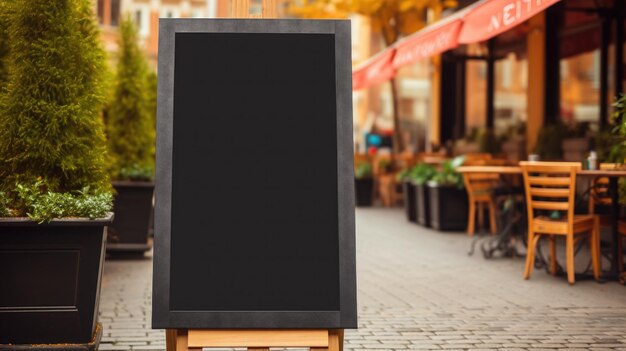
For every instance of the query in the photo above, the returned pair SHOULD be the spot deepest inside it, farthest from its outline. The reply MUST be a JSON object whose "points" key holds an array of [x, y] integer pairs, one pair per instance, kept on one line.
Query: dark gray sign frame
{"points": [[162, 315]]}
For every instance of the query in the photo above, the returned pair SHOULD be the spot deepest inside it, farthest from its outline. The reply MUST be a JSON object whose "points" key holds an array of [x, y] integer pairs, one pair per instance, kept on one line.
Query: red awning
{"points": [[492, 17], [375, 70], [427, 42], [478, 22]]}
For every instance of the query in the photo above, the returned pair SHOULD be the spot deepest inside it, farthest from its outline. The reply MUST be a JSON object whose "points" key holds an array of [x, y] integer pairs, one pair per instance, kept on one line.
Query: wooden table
{"points": [[612, 174], [490, 169]]}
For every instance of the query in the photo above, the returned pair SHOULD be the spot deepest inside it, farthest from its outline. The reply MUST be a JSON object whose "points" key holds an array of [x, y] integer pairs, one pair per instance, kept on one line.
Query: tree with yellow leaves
{"points": [[392, 18]]}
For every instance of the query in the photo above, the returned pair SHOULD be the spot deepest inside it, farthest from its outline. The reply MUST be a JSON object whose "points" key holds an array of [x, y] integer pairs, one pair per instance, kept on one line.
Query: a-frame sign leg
{"points": [[170, 339]]}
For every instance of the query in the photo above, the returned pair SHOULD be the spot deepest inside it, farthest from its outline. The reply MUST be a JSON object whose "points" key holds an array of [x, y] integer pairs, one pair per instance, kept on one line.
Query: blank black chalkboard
{"points": [[254, 224]]}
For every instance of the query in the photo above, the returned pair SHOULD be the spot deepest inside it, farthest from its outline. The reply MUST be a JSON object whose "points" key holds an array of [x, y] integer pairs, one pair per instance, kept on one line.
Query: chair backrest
{"points": [[479, 185], [550, 186]]}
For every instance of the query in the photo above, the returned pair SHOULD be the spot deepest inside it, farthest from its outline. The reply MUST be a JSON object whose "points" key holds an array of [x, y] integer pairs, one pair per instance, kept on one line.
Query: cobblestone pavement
{"points": [[419, 290]]}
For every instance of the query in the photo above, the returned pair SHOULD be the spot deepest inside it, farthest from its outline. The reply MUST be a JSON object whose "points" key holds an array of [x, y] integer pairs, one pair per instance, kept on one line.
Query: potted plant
{"points": [[56, 200], [408, 192], [470, 144], [488, 141], [616, 149], [577, 143], [131, 139], [514, 144], [448, 199], [421, 174], [364, 184], [550, 142]]}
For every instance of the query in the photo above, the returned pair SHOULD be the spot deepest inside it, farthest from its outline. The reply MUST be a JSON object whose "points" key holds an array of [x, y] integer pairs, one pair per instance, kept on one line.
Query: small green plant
{"points": [[472, 135], [363, 170], [617, 145], [515, 131], [419, 174], [448, 175], [38, 203], [614, 140], [422, 173], [385, 165], [550, 141], [130, 124], [488, 141], [403, 175], [579, 130], [137, 172], [5, 210]]}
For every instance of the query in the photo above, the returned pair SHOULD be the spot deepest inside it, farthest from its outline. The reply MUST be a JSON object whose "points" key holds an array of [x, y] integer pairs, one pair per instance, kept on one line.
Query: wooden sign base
{"points": [[254, 340]]}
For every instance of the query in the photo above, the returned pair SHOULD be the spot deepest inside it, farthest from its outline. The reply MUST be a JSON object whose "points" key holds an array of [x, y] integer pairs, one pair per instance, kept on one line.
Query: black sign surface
{"points": [[254, 223]]}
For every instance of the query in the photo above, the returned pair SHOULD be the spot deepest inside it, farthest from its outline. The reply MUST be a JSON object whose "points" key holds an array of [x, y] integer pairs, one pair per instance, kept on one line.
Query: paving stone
{"points": [[418, 290]]}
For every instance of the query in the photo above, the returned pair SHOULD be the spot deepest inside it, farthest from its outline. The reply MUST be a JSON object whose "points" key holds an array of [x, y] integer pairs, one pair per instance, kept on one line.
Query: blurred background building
{"points": [[444, 98], [146, 14]]}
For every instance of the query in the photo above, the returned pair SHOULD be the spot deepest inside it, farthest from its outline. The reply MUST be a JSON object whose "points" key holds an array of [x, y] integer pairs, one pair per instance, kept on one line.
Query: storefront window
{"points": [[510, 95], [580, 88]]}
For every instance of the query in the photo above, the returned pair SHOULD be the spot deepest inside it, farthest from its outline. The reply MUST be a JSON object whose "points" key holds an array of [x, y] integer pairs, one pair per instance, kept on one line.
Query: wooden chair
{"points": [[599, 194], [479, 186], [551, 186], [388, 188]]}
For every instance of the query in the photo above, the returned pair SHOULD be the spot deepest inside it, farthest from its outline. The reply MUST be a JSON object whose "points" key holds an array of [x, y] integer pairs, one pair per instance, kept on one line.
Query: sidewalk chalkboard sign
{"points": [[254, 218]]}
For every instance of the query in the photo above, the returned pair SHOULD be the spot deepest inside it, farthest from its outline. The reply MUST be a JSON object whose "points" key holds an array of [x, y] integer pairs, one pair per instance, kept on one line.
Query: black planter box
{"points": [[448, 207], [364, 189], [409, 201], [422, 205], [50, 276], [130, 230]]}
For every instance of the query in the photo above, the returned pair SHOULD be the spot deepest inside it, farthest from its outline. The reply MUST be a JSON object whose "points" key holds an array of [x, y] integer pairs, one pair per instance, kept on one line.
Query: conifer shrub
{"points": [[4, 42], [51, 133], [152, 106], [130, 127]]}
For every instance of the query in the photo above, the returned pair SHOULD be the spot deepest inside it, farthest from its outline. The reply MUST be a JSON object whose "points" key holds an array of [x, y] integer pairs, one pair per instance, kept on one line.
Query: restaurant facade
{"points": [[507, 66]]}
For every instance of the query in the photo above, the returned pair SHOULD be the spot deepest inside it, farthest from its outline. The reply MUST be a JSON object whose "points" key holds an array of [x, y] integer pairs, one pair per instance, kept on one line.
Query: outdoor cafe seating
{"points": [[479, 190], [551, 187], [550, 195]]}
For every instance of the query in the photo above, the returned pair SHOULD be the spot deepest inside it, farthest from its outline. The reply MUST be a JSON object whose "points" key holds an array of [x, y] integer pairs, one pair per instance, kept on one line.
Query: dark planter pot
{"points": [[448, 207], [422, 205], [409, 201], [50, 276], [130, 230], [364, 189]]}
